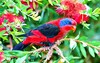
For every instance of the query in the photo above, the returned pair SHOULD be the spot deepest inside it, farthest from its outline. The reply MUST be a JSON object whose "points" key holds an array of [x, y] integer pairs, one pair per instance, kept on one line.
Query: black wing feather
{"points": [[49, 30]]}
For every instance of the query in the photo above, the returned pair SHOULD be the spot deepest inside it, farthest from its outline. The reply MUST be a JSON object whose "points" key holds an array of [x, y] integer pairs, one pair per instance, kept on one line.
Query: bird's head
{"points": [[68, 24]]}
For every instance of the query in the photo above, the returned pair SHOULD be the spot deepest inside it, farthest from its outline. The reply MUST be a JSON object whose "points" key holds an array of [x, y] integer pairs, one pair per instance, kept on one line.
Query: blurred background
{"points": [[28, 14]]}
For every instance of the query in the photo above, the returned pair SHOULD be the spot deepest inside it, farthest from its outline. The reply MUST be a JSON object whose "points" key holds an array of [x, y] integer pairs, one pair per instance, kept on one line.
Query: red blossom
{"points": [[81, 17], [1, 57], [72, 9], [69, 8], [3, 28], [79, 7], [66, 8], [11, 18], [1, 20], [32, 4]]}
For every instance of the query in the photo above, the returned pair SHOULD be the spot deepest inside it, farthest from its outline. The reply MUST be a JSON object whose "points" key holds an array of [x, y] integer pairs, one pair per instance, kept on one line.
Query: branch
{"points": [[50, 51], [81, 42], [39, 50], [11, 45], [59, 52]]}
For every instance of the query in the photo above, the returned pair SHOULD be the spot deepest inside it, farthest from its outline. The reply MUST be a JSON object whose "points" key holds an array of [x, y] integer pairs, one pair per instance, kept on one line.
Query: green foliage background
{"points": [[79, 54]]}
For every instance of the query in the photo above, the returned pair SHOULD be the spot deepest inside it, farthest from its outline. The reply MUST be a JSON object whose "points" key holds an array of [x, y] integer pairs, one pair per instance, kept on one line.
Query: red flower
{"points": [[66, 8], [81, 17], [1, 57], [69, 8], [79, 7], [1, 20], [32, 4], [11, 18]]}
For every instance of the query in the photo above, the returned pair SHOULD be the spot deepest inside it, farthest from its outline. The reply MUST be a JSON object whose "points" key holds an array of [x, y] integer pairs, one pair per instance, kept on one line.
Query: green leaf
{"points": [[1, 46], [14, 37], [5, 38], [2, 32], [95, 18], [16, 10], [42, 15], [77, 50], [73, 44], [83, 38], [91, 51], [19, 3], [78, 36], [12, 61], [21, 60], [19, 33], [9, 53], [96, 51], [5, 21], [96, 11], [84, 1], [95, 43], [90, 11], [83, 51], [2, 9], [29, 11], [50, 1], [85, 25]]}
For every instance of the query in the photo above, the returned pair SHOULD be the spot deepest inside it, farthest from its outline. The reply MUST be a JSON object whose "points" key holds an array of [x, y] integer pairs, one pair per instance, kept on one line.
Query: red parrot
{"points": [[47, 34]]}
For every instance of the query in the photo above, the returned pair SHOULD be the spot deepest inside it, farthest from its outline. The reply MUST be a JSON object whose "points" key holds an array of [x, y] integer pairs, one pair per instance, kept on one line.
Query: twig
{"points": [[11, 45], [89, 44], [49, 55], [39, 50], [81, 42], [60, 54]]}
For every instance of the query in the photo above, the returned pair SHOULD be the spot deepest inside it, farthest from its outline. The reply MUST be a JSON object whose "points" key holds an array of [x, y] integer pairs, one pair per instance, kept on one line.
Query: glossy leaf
{"points": [[73, 44], [50, 1], [83, 51], [21, 60], [2, 32], [91, 51], [96, 11]]}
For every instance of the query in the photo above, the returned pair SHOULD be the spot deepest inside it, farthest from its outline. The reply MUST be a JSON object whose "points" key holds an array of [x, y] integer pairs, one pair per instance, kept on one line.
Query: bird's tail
{"points": [[20, 46]]}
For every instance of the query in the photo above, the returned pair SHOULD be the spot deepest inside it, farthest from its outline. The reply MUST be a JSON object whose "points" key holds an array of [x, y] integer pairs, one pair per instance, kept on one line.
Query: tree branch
{"points": [[11, 45], [82, 42]]}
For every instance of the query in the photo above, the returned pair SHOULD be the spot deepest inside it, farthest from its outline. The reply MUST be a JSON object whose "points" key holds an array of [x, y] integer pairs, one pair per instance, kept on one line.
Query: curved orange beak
{"points": [[73, 28], [74, 25]]}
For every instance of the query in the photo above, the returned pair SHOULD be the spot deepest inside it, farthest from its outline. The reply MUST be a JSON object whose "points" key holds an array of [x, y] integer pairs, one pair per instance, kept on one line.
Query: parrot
{"points": [[47, 34]]}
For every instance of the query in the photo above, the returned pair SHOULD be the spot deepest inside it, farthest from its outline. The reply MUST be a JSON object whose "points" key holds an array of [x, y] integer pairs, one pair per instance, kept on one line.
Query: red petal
{"points": [[81, 17], [1, 57]]}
